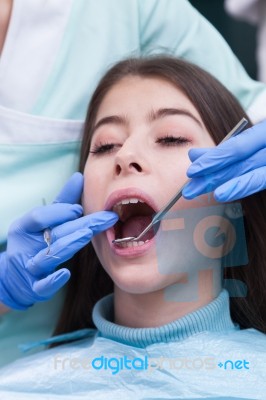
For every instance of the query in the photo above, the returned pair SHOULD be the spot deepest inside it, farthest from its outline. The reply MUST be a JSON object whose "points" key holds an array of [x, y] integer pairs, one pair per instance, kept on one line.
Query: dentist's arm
{"points": [[27, 272], [233, 170]]}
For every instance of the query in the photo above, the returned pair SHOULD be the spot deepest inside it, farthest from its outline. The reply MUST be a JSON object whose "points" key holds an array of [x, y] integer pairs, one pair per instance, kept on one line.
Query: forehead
{"points": [[136, 95]]}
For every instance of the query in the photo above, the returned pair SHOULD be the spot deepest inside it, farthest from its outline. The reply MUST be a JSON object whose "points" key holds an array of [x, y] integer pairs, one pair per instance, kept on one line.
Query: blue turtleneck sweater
{"points": [[214, 317], [202, 355]]}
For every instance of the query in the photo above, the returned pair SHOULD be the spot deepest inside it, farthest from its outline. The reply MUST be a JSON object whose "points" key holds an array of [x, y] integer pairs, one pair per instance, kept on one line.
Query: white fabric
{"points": [[253, 11], [256, 111], [20, 128], [246, 9], [29, 56]]}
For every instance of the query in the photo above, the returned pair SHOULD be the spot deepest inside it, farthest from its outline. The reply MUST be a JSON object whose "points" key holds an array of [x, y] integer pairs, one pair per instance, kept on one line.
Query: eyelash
{"points": [[104, 148], [167, 140]]}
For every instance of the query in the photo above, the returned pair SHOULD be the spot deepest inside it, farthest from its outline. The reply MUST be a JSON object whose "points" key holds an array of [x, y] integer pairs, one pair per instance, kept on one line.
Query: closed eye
{"points": [[104, 148], [169, 140]]}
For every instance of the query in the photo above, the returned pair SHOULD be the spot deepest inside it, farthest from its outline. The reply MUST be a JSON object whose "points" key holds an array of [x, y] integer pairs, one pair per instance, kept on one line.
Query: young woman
{"points": [[144, 117]]}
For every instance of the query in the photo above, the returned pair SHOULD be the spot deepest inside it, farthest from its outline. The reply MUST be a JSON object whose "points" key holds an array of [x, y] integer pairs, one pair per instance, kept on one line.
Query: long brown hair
{"points": [[219, 111]]}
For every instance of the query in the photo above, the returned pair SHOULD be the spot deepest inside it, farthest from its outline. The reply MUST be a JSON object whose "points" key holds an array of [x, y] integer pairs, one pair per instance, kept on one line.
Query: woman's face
{"points": [[139, 157]]}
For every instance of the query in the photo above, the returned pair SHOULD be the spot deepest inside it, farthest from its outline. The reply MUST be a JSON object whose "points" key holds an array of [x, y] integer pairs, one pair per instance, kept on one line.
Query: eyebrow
{"points": [[166, 112], [112, 119], [153, 116]]}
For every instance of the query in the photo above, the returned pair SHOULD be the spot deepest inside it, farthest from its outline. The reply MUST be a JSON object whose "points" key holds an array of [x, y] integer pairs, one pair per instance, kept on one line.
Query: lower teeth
{"points": [[132, 244]]}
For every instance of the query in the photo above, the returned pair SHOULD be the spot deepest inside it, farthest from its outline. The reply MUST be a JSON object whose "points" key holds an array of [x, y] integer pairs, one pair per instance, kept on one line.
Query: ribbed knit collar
{"points": [[215, 316]]}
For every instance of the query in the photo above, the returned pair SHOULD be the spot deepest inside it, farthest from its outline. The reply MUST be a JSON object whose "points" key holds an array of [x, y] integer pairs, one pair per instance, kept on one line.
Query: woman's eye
{"points": [[169, 140], [104, 148]]}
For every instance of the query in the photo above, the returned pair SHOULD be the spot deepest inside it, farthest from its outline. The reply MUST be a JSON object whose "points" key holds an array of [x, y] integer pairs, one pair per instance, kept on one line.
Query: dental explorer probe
{"points": [[158, 216]]}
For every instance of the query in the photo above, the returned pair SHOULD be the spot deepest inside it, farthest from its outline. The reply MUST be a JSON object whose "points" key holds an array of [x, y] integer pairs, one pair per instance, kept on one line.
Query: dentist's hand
{"points": [[26, 270], [233, 170]]}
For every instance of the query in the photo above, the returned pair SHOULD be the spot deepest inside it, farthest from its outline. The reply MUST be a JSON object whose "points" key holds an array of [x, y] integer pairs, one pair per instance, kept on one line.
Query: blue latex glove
{"points": [[233, 170], [26, 270]]}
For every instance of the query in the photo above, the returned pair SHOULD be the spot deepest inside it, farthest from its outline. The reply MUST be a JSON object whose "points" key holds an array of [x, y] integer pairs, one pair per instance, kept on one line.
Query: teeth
{"points": [[132, 244], [118, 206], [127, 201]]}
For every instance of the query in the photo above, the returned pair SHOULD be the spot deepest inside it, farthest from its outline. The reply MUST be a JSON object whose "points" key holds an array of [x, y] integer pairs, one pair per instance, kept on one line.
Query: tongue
{"points": [[135, 225]]}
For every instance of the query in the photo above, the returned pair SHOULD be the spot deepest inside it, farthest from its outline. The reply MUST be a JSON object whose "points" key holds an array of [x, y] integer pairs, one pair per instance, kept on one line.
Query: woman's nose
{"points": [[130, 160], [130, 168]]}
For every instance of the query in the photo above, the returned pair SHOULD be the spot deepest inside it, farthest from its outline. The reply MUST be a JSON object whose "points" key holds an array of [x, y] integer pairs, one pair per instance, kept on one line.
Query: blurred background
{"points": [[241, 36]]}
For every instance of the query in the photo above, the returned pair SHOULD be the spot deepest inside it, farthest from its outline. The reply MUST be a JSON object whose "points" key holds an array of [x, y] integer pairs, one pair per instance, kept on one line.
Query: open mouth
{"points": [[134, 216]]}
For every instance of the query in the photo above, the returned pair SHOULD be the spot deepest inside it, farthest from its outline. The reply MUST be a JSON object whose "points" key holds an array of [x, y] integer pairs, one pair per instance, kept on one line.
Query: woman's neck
{"points": [[164, 306], [5, 14]]}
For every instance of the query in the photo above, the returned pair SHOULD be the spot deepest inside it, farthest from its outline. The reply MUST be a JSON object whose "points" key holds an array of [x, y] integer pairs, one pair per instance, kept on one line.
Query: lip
{"points": [[128, 252], [114, 198], [128, 193]]}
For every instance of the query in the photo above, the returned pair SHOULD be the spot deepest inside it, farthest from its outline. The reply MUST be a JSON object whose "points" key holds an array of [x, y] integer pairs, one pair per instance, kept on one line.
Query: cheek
{"points": [[205, 200], [174, 176], [174, 171], [101, 247]]}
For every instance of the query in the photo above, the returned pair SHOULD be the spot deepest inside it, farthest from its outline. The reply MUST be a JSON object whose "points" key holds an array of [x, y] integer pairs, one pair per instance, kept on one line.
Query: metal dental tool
{"points": [[159, 216], [47, 238], [47, 234]]}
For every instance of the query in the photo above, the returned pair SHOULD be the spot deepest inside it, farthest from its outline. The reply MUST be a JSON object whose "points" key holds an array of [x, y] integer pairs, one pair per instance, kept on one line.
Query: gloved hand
{"points": [[233, 170], [26, 270]]}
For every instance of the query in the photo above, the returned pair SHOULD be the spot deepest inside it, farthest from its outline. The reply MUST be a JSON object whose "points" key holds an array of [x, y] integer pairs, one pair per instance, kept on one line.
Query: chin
{"points": [[135, 281], [138, 275]]}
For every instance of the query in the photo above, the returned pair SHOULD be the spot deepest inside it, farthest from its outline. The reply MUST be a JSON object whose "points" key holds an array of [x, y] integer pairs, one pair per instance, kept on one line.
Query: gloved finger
{"points": [[242, 186], [97, 222], [195, 153], [209, 182], [54, 214], [231, 151], [43, 264], [199, 186], [71, 192], [47, 287]]}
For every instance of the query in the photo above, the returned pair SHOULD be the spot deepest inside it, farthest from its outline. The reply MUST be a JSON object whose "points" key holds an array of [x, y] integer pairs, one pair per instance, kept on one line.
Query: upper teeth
{"points": [[127, 201], [118, 207]]}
